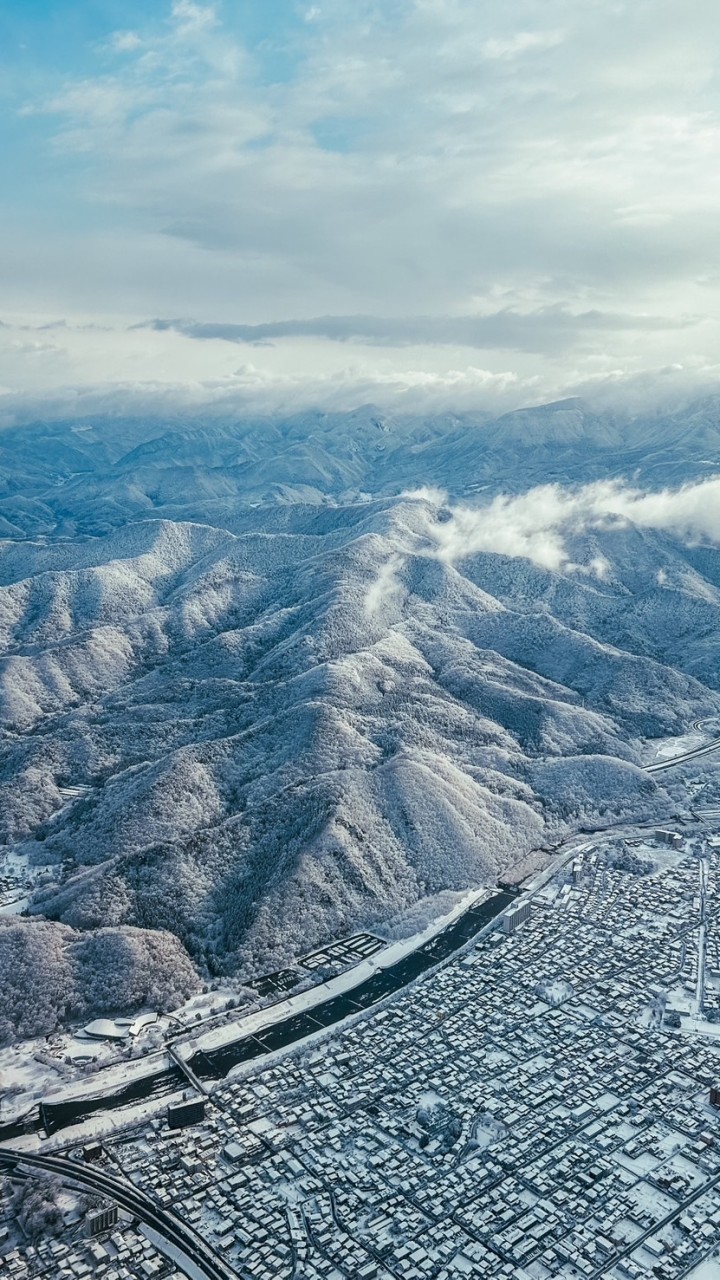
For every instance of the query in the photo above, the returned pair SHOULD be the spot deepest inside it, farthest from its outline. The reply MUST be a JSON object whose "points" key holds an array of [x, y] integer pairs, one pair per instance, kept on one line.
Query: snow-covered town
{"points": [[121, 1252], [544, 1103], [360, 640]]}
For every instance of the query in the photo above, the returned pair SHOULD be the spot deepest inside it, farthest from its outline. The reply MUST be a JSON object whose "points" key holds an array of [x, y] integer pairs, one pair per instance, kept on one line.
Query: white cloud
{"points": [[520, 42], [192, 18], [59, 368], [545, 329], [538, 524], [126, 42], [440, 162], [250, 389], [385, 591]]}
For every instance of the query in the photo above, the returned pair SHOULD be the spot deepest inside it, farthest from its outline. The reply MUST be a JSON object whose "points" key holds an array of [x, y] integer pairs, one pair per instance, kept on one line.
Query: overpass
{"points": [[176, 1235]]}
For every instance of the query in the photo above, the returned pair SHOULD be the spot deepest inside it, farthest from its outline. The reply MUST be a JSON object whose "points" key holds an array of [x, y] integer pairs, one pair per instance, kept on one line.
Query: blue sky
{"points": [[419, 202]]}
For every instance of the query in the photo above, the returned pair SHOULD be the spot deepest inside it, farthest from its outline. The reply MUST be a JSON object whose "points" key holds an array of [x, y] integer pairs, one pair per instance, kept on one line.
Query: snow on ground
{"points": [[25, 1081], [186, 1265], [657, 749], [708, 1270], [661, 856], [14, 907], [100, 1125], [259, 1020], [36, 1069], [701, 1027], [18, 877], [28, 1079]]}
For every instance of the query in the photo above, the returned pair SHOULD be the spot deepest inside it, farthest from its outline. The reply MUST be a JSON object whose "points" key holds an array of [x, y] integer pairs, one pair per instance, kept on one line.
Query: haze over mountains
{"points": [[264, 682], [93, 474]]}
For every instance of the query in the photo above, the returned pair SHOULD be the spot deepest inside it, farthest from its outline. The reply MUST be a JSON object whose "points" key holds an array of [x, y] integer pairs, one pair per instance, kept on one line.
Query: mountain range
{"points": [[266, 682]]}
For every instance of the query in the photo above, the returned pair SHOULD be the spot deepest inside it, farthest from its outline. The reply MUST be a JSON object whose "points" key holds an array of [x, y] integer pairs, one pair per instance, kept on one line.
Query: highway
{"points": [[686, 755], [176, 1235]]}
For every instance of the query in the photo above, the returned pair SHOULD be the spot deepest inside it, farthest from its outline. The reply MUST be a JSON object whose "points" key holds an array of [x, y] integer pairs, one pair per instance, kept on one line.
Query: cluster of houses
{"points": [[568, 1131], [526, 1111], [123, 1253]]}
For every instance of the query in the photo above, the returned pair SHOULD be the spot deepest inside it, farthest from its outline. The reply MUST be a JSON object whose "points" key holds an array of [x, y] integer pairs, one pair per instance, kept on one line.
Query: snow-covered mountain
{"points": [[255, 693], [92, 475]]}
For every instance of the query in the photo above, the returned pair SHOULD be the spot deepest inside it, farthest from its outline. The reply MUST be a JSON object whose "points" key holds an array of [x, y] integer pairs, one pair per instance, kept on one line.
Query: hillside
{"points": [[263, 728], [92, 475]]}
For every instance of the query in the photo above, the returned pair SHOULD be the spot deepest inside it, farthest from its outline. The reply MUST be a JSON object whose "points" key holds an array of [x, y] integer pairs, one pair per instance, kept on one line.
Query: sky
{"points": [[271, 204]]}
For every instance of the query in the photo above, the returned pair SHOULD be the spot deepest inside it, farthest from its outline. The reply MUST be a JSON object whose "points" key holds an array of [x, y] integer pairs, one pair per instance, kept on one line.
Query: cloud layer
{"points": [[539, 524], [546, 329], [538, 183]]}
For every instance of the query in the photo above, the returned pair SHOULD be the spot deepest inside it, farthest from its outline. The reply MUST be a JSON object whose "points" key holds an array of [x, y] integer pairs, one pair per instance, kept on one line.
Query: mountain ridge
{"points": [[257, 734]]}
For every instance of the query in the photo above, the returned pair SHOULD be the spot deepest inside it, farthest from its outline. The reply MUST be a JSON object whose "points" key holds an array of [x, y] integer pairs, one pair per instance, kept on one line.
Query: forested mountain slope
{"points": [[258, 687]]}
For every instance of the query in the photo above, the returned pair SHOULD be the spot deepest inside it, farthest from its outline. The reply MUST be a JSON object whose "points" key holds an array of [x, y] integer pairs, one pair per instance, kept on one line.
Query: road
{"points": [[286, 1031], [287, 1028], [703, 869], [686, 755], [656, 1227], [174, 1234]]}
